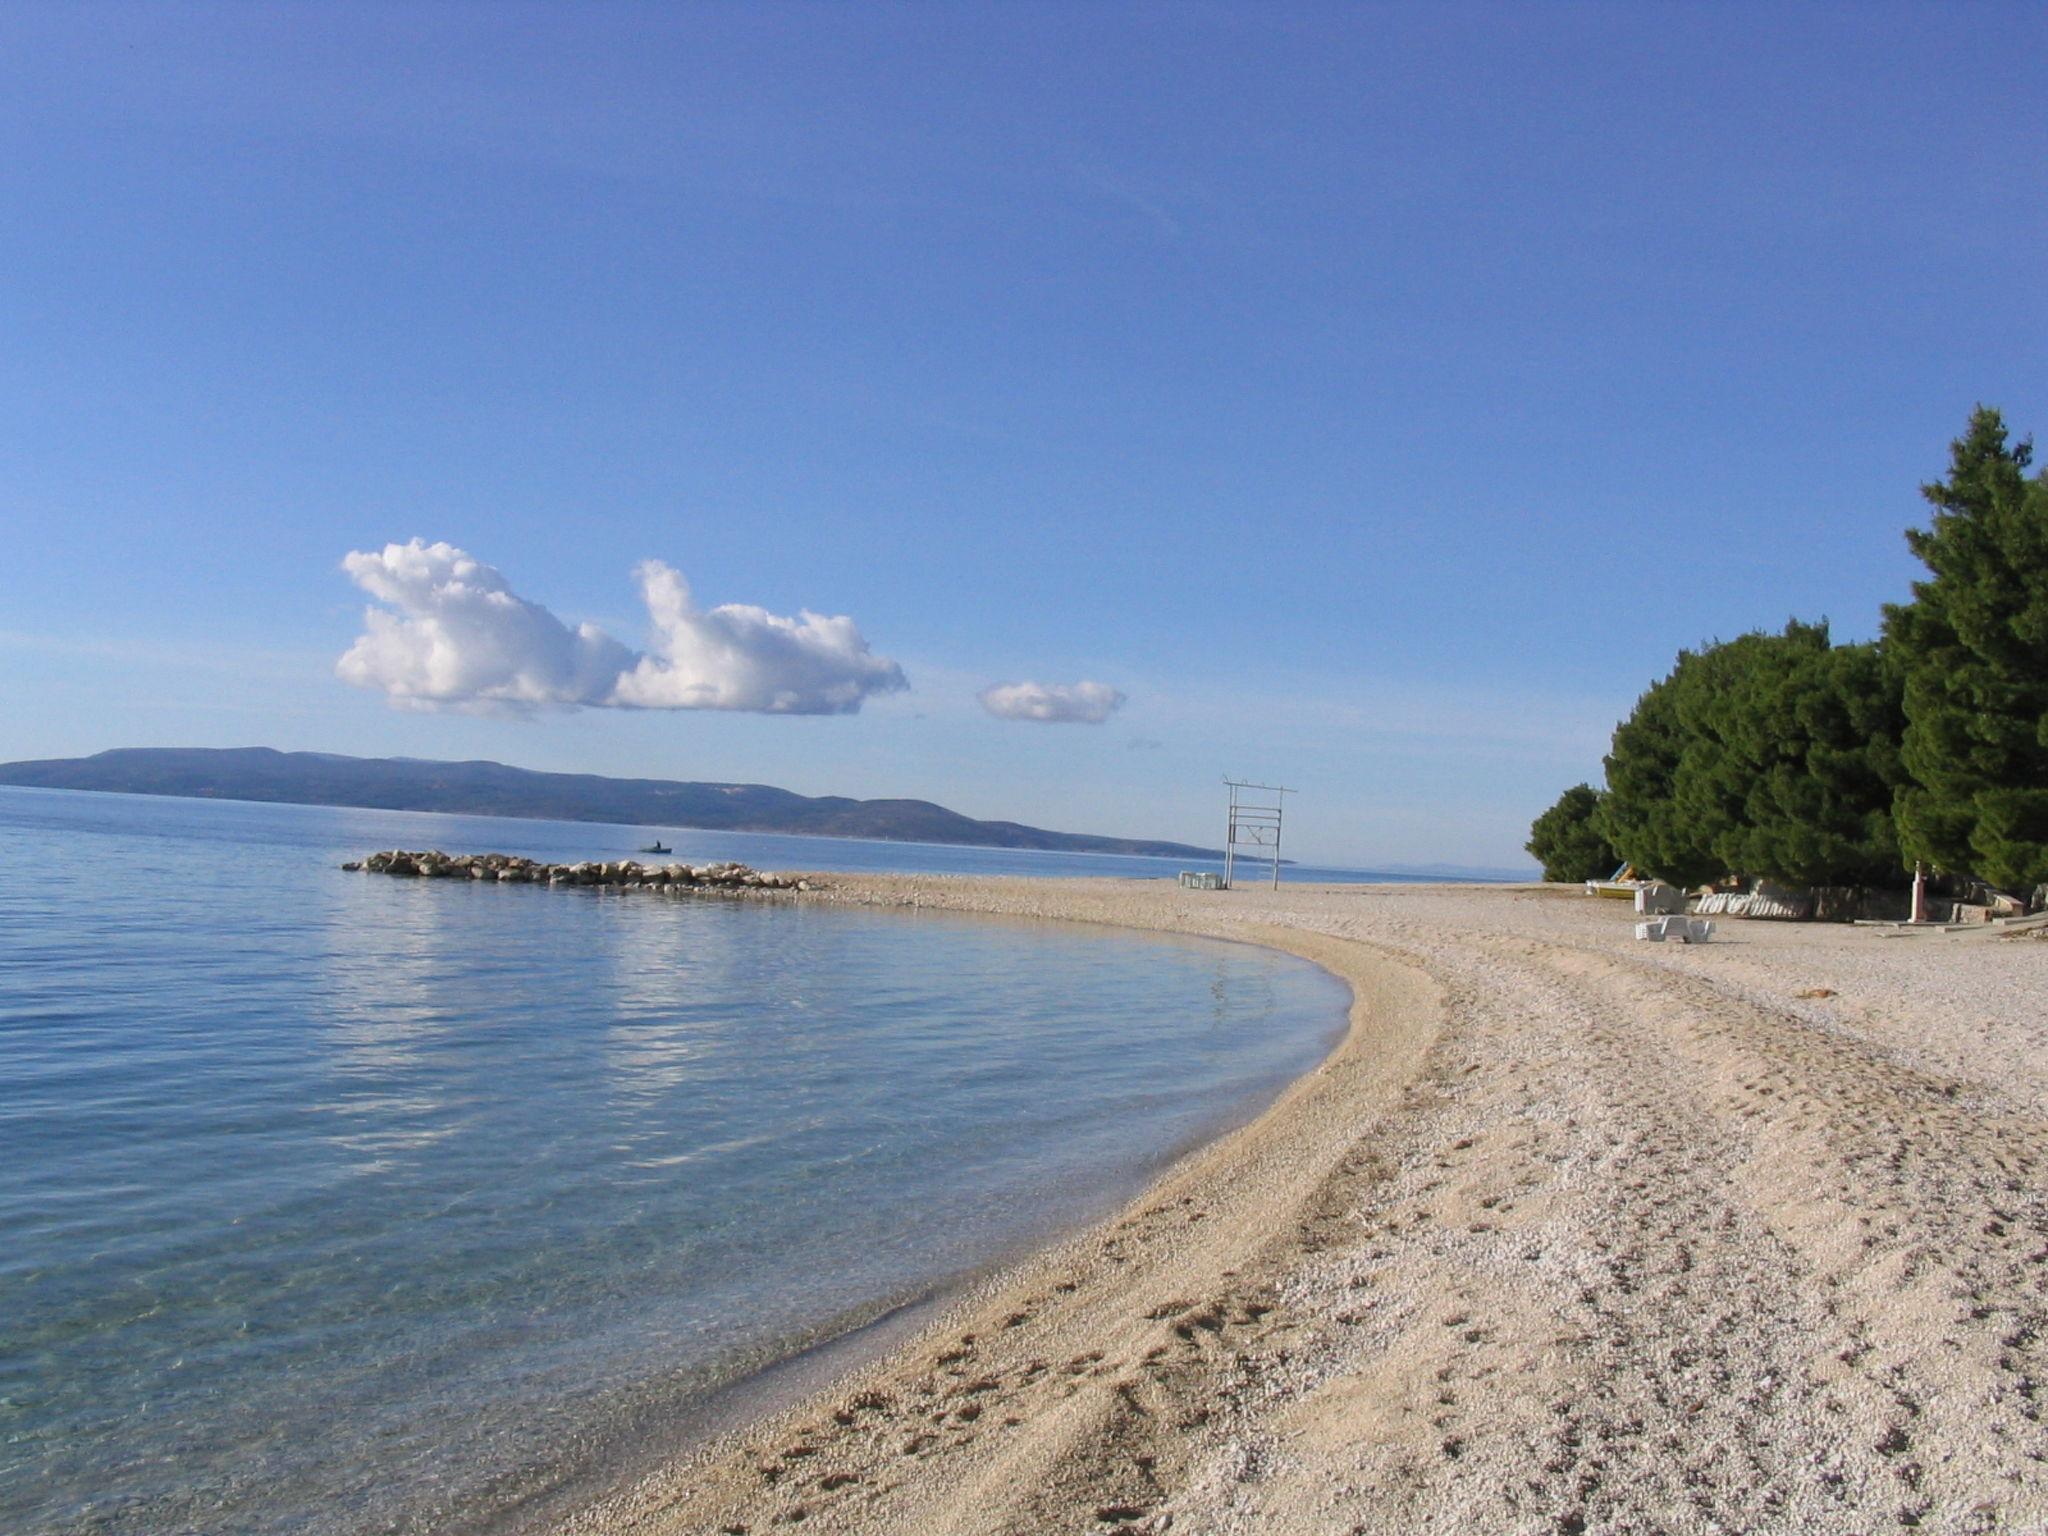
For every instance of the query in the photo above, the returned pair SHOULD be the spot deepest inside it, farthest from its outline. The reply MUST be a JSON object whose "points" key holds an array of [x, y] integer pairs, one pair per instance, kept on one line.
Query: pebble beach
{"points": [[1569, 1234]]}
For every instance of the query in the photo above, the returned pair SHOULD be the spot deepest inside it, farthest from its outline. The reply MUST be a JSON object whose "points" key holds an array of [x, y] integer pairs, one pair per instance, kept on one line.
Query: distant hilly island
{"points": [[493, 789]]}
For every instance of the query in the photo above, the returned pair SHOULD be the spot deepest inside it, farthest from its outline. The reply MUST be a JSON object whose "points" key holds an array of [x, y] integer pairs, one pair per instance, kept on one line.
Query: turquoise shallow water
{"points": [[332, 1204]]}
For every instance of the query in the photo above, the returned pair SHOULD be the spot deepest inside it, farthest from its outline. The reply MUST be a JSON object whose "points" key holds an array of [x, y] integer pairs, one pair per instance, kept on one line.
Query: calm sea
{"points": [[330, 1203]]}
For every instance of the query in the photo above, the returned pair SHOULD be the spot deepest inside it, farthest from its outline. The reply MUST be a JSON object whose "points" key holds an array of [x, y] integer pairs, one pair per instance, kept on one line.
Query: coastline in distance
{"points": [[496, 789]]}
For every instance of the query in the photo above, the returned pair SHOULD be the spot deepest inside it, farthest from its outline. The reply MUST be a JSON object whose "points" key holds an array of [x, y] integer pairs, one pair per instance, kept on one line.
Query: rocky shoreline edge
{"points": [[618, 874]]}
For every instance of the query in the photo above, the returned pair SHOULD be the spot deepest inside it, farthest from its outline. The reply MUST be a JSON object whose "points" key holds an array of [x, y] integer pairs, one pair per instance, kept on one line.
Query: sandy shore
{"points": [[1571, 1234]]}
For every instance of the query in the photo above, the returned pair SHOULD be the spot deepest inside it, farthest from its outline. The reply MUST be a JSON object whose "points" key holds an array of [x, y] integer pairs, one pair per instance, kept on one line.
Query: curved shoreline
{"points": [[700, 1422], [1199, 1225], [1566, 1235]]}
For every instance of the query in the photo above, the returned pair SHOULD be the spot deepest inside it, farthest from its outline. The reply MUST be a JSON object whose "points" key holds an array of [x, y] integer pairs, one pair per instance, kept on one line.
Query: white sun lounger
{"points": [[1685, 930]]}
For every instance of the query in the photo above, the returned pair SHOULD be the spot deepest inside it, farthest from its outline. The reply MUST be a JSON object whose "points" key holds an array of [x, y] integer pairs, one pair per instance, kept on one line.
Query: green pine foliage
{"points": [[1790, 757], [1972, 647], [1639, 815], [1773, 755], [1565, 841], [1800, 758]]}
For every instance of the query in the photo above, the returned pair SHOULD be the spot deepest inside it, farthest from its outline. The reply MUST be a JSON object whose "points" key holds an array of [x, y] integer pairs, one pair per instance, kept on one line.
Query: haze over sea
{"points": [[334, 1204]]}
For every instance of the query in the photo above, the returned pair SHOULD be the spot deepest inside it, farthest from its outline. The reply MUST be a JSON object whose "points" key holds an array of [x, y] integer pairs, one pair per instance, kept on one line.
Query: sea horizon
{"points": [[1155, 865]]}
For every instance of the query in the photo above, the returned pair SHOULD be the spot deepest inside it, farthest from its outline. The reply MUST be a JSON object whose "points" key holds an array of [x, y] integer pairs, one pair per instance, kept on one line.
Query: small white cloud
{"points": [[453, 634], [1078, 703]]}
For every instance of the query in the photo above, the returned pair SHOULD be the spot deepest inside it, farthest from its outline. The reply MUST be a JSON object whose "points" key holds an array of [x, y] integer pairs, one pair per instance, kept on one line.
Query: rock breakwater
{"points": [[620, 874]]}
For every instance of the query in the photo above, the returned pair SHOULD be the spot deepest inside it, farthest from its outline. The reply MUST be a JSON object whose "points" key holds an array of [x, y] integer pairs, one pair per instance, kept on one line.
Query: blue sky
{"points": [[1375, 397]]}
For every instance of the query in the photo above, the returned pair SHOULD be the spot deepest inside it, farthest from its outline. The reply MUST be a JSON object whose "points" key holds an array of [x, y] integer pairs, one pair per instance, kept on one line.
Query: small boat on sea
{"points": [[657, 846]]}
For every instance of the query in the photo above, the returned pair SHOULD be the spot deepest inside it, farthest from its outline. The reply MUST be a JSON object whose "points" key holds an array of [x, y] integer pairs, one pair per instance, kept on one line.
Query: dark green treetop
{"points": [[1565, 841], [1639, 815], [1772, 755], [1972, 649]]}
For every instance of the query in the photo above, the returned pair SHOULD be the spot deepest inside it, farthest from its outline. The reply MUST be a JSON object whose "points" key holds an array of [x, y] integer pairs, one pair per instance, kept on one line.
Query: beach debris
{"points": [[619, 874]]}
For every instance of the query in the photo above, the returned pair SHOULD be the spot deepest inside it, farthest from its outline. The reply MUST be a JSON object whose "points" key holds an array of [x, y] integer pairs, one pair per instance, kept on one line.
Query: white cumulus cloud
{"points": [[1081, 703], [453, 634], [736, 656]]}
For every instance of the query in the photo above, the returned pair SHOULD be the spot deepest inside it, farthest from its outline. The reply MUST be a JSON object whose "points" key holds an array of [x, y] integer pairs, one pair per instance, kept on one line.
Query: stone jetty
{"points": [[622, 874]]}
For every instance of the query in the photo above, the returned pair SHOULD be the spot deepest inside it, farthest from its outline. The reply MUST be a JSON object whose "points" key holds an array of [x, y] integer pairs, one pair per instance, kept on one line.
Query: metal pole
{"points": [[1229, 837], [1278, 811]]}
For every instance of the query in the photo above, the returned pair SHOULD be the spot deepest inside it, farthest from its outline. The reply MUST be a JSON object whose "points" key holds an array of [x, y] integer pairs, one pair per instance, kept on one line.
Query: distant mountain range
{"points": [[492, 789]]}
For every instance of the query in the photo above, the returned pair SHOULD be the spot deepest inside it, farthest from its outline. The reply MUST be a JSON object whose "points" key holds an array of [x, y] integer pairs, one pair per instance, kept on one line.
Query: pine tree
{"points": [[1773, 755], [1806, 764], [1972, 648], [1565, 841], [1640, 815]]}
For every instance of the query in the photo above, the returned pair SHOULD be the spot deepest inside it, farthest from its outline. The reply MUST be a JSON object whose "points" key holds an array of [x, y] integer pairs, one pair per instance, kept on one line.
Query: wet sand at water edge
{"points": [[1570, 1234]]}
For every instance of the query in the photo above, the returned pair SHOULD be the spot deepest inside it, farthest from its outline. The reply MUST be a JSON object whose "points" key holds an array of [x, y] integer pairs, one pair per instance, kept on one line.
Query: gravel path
{"points": [[1571, 1235]]}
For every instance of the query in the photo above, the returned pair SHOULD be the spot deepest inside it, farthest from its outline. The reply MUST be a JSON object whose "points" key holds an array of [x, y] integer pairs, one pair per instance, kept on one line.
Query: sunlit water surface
{"points": [[333, 1203]]}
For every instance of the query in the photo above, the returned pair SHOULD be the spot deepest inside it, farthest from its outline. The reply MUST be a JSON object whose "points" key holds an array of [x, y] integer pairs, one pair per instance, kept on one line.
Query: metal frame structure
{"points": [[1254, 824]]}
